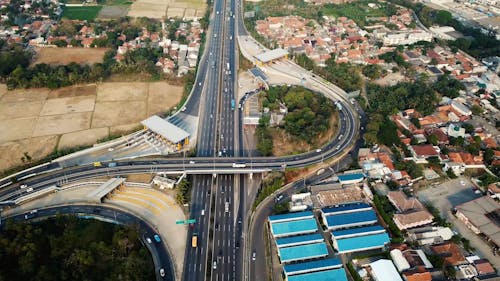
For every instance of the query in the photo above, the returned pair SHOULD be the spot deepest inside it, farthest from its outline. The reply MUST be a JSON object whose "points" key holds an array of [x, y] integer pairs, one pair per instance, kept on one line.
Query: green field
{"points": [[81, 13]]}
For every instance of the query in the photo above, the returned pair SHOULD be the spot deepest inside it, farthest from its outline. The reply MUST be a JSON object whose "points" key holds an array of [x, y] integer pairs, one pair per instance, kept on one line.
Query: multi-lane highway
{"points": [[215, 201]]}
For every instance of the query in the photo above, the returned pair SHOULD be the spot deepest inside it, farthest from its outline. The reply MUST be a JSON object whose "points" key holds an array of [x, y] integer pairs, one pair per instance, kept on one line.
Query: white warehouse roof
{"points": [[165, 129], [271, 55], [384, 270]]}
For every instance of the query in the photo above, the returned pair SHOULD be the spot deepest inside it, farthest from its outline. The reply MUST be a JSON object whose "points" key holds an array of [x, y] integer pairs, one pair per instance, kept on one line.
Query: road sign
{"points": [[191, 221]]}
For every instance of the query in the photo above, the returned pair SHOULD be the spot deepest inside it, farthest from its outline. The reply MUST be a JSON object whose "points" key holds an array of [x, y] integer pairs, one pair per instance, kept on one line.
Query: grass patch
{"points": [[81, 13]]}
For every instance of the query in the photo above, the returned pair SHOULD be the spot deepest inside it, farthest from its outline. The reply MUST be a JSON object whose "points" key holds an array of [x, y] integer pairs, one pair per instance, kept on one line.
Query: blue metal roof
{"points": [[357, 231], [362, 243], [294, 227], [327, 275], [312, 266], [303, 252], [345, 207], [363, 217], [305, 239], [349, 177], [291, 216]]}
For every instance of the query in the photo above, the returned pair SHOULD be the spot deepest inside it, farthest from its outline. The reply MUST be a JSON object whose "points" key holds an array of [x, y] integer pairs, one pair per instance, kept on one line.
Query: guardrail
{"points": [[34, 195]]}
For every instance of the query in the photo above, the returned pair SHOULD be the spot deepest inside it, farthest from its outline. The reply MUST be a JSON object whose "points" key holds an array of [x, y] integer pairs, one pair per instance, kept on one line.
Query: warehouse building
{"points": [[358, 231], [311, 266], [302, 252], [347, 220], [327, 275], [361, 243], [351, 178], [295, 227], [291, 217], [299, 240]]}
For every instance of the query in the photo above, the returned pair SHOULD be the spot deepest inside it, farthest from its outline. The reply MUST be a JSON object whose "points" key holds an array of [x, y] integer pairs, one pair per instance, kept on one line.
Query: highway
{"points": [[218, 149], [159, 252]]}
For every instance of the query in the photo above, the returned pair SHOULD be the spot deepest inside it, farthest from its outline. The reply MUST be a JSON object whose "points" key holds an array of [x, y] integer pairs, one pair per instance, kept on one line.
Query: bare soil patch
{"points": [[15, 129], [15, 110], [122, 91], [68, 105], [162, 96], [75, 91], [59, 56], [144, 178], [85, 137], [39, 120], [118, 112], [37, 148], [113, 12], [25, 95], [61, 124]]}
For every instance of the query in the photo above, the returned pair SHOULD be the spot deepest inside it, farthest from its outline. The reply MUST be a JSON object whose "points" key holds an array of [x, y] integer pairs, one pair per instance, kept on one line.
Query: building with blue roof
{"points": [[347, 220], [291, 216], [358, 231], [346, 208], [351, 178], [311, 266], [303, 252], [296, 227], [361, 243], [327, 275], [299, 240]]}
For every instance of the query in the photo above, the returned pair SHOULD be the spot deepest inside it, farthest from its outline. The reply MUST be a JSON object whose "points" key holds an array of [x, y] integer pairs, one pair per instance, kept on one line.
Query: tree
{"points": [[443, 17], [372, 71], [433, 139], [476, 109]]}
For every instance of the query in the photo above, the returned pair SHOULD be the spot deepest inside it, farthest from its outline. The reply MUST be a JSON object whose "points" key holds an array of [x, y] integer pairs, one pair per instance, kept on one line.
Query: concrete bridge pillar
{"points": [[251, 176]]}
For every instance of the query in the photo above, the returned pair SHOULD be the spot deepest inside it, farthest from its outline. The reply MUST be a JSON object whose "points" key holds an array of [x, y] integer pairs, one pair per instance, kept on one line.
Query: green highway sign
{"points": [[191, 221]]}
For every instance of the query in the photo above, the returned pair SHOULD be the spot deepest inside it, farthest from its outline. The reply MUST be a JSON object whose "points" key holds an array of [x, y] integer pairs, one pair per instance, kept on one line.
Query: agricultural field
{"points": [[38, 121], [161, 8], [81, 12], [63, 56]]}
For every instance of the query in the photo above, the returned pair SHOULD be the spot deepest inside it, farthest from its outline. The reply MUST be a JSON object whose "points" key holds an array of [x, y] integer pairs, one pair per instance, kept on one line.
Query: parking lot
{"points": [[449, 194]]}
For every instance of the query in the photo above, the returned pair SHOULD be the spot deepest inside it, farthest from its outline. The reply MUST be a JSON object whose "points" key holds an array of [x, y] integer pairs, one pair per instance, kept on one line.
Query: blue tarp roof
{"points": [[327, 275], [361, 243], [349, 177], [297, 239], [294, 227], [345, 207], [357, 230], [312, 266], [351, 218], [291, 216], [303, 252]]}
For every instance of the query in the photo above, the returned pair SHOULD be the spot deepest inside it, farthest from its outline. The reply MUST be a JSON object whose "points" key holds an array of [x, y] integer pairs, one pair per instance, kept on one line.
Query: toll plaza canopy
{"points": [[271, 55], [105, 188], [165, 129]]}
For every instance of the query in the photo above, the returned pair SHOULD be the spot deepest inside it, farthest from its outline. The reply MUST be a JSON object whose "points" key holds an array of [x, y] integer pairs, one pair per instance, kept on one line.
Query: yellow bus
{"points": [[194, 240], [97, 164]]}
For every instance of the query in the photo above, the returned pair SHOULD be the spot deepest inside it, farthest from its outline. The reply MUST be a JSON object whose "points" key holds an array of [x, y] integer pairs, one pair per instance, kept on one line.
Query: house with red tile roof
{"points": [[422, 152]]}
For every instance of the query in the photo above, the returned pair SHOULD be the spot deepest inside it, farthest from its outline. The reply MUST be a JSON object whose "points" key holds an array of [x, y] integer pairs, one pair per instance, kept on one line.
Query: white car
{"points": [[162, 272], [23, 186], [215, 265], [149, 240], [254, 256]]}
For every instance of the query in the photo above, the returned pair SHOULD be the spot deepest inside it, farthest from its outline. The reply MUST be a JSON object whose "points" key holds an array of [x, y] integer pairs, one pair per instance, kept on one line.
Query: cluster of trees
{"points": [[66, 248], [15, 70], [183, 190], [448, 86], [385, 101], [344, 75], [308, 113], [44, 75], [386, 211], [373, 71], [270, 184], [264, 137]]}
